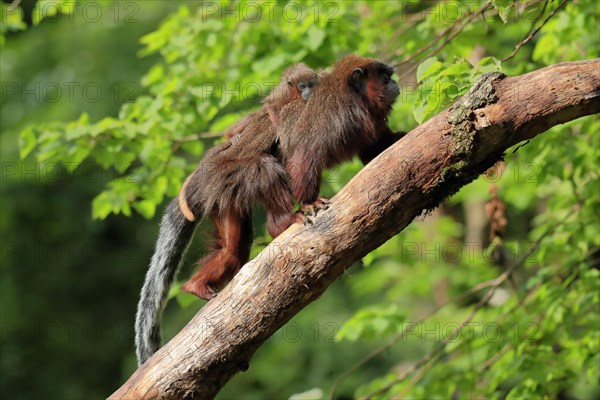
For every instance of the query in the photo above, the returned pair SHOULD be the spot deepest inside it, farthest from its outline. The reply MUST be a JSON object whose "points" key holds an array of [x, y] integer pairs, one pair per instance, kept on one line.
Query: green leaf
{"points": [[76, 154], [146, 208], [153, 76], [270, 64], [312, 394], [486, 65], [27, 141], [51, 8], [161, 184], [456, 69], [372, 322], [419, 113], [195, 147], [504, 7], [427, 68], [11, 18], [316, 36], [105, 125], [101, 206]]}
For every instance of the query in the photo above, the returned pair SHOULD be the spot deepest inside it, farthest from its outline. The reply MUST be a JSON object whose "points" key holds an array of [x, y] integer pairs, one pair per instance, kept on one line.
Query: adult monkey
{"points": [[231, 178], [344, 116]]}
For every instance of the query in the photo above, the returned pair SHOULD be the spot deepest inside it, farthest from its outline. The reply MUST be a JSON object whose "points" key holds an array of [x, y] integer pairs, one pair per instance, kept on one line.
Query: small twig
{"points": [[447, 40], [431, 43], [534, 32], [520, 145], [441, 35], [415, 379], [539, 16], [13, 6], [492, 360], [407, 24], [580, 201]]}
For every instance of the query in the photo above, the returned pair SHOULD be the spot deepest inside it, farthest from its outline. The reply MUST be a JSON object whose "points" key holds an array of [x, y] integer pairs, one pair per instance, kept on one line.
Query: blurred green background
{"points": [[107, 106]]}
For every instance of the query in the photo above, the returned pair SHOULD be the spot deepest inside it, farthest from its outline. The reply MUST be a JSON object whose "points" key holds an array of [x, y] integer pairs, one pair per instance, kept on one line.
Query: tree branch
{"points": [[432, 162]]}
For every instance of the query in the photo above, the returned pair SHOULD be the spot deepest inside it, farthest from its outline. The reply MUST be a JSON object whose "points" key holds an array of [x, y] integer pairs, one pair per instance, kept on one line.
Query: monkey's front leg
{"points": [[385, 140], [304, 169]]}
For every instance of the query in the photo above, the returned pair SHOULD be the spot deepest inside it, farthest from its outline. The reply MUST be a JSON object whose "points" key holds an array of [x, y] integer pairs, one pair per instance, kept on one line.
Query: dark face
{"points": [[374, 81], [384, 73]]}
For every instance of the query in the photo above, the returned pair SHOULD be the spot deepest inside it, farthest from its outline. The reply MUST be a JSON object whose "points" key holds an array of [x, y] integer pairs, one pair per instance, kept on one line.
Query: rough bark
{"points": [[432, 162]]}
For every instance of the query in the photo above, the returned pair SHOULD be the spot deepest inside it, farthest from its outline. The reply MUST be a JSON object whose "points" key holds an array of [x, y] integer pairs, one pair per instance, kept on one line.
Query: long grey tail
{"points": [[174, 236]]}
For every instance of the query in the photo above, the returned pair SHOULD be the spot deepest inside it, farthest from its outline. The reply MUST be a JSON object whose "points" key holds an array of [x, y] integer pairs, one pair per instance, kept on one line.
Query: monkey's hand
{"points": [[308, 211], [300, 218], [313, 208]]}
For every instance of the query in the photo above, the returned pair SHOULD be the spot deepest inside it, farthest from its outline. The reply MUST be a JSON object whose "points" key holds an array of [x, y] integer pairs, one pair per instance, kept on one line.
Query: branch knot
{"points": [[462, 113]]}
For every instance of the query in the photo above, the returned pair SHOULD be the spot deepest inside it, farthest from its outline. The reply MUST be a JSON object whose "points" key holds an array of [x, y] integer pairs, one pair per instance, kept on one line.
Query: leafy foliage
{"points": [[11, 19]]}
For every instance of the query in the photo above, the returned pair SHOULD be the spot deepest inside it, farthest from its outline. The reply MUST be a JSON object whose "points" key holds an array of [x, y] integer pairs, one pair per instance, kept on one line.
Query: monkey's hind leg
{"points": [[234, 239]]}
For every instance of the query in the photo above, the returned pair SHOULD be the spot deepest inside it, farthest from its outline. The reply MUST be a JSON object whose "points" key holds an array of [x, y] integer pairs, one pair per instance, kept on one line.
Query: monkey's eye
{"points": [[289, 82], [385, 73]]}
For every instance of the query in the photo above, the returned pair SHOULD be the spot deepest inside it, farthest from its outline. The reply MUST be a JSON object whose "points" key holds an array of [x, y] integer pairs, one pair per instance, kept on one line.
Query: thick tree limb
{"points": [[432, 162]]}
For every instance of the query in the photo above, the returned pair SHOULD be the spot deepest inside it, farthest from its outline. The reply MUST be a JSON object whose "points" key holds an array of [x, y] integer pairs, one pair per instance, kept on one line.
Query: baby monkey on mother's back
{"points": [[231, 179], [279, 156]]}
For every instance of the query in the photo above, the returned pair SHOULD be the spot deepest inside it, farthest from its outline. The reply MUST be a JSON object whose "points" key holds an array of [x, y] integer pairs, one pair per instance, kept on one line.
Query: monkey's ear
{"points": [[356, 79]]}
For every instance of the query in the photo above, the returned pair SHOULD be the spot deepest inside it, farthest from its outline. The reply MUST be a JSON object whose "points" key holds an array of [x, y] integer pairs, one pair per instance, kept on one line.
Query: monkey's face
{"points": [[374, 82], [301, 80], [303, 85], [390, 89], [306, 88]]}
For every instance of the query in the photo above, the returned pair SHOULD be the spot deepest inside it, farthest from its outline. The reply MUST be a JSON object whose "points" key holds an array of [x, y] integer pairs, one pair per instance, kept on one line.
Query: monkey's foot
{"points": [[313, 208], [300, 218], [199, 289]]}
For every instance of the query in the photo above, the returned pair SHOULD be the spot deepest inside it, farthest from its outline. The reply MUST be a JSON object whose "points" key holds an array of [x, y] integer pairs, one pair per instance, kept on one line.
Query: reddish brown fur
{"points": [[239, 126], [287, 90], [234, 177], [230, 181], [346, 115], [233, 241]]}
